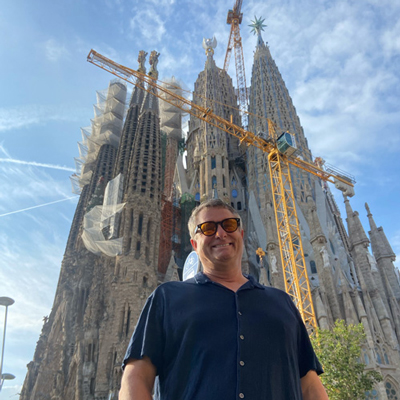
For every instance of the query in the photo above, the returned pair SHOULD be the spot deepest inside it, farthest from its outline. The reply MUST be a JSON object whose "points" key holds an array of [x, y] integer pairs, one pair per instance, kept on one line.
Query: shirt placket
{"points": [[241, 341]]}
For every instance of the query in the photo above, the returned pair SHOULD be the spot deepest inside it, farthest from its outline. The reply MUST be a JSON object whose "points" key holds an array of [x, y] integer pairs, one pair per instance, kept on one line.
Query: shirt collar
{"points": [[201, 278]]}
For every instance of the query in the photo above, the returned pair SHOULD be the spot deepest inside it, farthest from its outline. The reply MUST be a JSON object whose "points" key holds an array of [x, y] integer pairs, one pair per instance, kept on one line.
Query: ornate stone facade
{"points": [[99, 298]]}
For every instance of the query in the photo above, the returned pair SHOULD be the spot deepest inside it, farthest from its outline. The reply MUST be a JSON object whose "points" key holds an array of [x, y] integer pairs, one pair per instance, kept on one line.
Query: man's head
{"points": [[219, 243], [213, 203]]}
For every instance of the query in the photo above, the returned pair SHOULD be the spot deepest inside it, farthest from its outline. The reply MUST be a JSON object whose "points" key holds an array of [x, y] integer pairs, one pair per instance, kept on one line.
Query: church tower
{"points": [[214, 159]]}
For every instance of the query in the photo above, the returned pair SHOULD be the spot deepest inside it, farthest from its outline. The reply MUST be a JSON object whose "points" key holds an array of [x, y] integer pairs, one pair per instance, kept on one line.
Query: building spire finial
{"points": [[257, 26]]}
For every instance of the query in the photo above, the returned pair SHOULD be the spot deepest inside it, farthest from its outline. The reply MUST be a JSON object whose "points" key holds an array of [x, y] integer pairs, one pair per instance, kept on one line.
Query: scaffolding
{"points": [[106, 127], [171, 127]]}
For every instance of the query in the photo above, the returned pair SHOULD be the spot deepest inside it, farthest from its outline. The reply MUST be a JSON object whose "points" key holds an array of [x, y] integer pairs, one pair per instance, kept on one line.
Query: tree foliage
{"points": [[339, 351]]}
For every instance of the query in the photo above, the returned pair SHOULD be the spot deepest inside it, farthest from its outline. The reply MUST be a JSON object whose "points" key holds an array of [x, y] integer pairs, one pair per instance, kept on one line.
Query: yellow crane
{"points": [[281, 154], [234, 19]]}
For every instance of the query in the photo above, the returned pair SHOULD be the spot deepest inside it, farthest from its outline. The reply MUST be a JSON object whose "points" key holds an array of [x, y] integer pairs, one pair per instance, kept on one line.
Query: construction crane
{"points": [[281, 154], [234, 19]]}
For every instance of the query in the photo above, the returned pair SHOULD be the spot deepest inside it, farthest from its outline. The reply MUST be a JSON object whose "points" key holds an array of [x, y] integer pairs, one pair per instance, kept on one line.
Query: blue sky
{"points": [[340, 61]]}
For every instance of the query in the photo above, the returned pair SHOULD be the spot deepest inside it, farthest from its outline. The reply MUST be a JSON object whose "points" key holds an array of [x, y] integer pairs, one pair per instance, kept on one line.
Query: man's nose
{"points": [[220, 231]]}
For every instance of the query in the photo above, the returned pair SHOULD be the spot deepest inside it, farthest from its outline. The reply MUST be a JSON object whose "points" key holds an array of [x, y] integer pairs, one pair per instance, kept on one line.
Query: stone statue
{"points": [[209, 45], [325, 257], [141, 61], [372, 262], [153, 64], [273, 263]]}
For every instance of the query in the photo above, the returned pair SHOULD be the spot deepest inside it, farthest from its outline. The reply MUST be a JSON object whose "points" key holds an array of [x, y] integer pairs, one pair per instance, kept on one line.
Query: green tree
{"points": [[339, 351]]}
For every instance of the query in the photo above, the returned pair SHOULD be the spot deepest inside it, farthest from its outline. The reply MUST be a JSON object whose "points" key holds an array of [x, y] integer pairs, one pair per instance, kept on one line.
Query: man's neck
{"points": [[232, 279]]}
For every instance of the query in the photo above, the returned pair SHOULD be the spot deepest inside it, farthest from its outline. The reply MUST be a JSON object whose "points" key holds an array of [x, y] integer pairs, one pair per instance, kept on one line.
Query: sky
{"points": [[340, 60]]}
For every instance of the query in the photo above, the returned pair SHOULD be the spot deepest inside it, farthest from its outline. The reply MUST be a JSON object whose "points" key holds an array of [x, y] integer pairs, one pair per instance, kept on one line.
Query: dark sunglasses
{"points": [[209, 228]]}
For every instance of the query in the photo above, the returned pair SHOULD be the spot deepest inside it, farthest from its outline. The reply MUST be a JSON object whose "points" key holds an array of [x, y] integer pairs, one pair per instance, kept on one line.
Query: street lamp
{"points": [[5, 377], [4, 301]]}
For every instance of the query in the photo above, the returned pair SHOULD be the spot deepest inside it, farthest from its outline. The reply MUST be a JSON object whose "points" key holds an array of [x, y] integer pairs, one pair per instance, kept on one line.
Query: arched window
{"points": [[378, 356], [214, 182], [391, 391], [223, 180], [385, 356], [371, 395], [239, 205], [197, 196]]}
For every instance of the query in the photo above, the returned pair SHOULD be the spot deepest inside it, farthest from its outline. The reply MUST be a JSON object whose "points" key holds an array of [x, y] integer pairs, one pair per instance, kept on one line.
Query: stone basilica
{"points": [[129, 232]]}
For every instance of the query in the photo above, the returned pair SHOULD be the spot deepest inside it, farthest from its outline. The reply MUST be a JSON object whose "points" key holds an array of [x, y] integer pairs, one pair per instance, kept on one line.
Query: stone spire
{"points": [[130, 125], [384, 255]]}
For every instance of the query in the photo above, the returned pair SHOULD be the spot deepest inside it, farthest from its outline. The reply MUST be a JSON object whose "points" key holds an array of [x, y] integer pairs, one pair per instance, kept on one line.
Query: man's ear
{"points": [[194, 244]]}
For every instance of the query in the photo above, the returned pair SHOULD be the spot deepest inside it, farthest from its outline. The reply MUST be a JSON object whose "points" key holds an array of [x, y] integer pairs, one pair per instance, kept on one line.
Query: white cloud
{"points": [[36, 164], [55, 51], [26, 116]]}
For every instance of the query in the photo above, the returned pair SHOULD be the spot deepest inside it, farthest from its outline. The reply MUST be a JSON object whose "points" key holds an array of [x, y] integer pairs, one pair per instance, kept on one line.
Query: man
{"points": [[220, 335]]}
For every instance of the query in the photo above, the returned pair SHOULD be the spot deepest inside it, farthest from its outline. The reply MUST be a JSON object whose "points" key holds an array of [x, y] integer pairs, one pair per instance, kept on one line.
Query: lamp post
{"points": [[4, 301]]}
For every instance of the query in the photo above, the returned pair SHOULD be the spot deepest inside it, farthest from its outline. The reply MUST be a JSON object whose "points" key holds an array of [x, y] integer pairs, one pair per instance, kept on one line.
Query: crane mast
{"points": [[234, 19], [280, 156]]}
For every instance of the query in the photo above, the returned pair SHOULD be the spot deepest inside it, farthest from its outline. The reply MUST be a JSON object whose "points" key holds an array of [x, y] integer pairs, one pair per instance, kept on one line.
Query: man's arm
{"points": [[138, 380], [312, 387]]}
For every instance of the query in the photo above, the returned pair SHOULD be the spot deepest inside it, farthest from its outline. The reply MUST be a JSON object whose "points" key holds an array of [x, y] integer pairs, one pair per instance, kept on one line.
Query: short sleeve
{"points": [[148, 337], [307, 358]]}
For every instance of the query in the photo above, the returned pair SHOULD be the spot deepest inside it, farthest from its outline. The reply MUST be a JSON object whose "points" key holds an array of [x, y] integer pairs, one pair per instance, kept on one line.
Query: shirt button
{"points": [[241, 363], [241, 337], [241, 395], [239, 313]]}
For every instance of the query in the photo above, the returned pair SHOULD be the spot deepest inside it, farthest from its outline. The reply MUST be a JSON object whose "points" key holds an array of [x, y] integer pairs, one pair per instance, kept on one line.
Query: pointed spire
{"points": [[379, 243], [356, 231]]}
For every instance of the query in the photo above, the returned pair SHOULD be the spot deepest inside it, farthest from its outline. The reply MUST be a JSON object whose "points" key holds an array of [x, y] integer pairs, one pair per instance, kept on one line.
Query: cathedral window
{"points": [[223, 180], [214, 182], [365, 354], [371, 395], [391, 391], [140, 224], [92, 385], [223, 162], [385, 356], [213, 162], [313, 267], [234, 193], [378, 356], [138, 245], [131, 220], [128, 321], [239, 205], [148, 229], [197, 196], [332, 248]]}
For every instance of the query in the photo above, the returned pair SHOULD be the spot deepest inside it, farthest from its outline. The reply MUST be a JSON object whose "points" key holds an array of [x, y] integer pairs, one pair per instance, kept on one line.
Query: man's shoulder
{"points": [[177, 286]]}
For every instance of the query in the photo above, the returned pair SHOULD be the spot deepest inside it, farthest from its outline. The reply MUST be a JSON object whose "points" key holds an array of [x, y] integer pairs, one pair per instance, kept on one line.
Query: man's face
{"points": [[222, 246]]}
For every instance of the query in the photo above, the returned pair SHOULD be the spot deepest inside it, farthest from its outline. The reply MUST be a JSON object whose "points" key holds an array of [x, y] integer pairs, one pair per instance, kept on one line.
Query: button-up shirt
{"points": [[210, 343]]}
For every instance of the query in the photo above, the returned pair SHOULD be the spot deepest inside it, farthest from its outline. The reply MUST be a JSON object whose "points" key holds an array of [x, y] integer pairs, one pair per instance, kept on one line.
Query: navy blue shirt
{"points": [[210, 343]]}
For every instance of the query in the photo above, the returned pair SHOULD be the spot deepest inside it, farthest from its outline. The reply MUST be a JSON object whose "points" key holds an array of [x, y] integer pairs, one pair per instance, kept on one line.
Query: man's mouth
{"points": [[222, 245]]}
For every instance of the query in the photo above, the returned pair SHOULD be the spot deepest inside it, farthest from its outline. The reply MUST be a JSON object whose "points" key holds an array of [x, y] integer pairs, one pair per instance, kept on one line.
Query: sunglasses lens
{"points": [[230, 225], [208, 228]]}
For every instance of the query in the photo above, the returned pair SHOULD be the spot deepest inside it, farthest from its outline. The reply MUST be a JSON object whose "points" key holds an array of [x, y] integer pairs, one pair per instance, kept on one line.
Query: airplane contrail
{"points": [[36, 164], [40, 205]]}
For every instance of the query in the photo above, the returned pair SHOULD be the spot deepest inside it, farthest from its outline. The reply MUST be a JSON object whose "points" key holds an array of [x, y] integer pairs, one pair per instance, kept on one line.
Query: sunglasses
{"points": [[210, 228]]}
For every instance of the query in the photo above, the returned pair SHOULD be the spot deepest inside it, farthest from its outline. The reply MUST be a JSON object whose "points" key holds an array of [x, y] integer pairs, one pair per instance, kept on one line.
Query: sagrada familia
{"points": [[129, 233]]}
